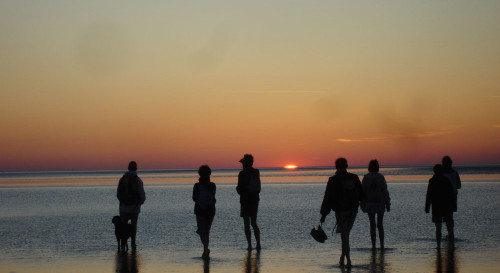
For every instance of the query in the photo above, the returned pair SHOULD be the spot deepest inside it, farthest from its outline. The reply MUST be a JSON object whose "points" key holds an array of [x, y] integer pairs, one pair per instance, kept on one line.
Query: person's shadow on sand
{"points": [[448, 258], [252, 262], [127, 262]]}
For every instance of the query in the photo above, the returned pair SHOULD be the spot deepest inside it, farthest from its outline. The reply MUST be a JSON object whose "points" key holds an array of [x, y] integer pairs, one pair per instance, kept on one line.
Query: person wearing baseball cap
{"points": [[249, 189]]}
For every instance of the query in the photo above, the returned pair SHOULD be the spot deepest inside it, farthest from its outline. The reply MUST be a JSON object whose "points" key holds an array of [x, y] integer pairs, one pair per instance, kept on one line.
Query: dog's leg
{"points": [[124, 246]]}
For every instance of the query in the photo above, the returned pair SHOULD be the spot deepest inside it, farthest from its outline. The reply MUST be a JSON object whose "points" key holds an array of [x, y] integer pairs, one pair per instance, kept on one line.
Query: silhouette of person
{"points": [[442, 198], [342, 195], [204, 207], [376, 202], [451, 174], [131, 195], [249, 188]]}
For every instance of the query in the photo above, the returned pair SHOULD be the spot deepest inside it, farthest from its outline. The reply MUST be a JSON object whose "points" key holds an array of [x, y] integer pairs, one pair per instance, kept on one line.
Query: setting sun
{"points": [[290, 167]]}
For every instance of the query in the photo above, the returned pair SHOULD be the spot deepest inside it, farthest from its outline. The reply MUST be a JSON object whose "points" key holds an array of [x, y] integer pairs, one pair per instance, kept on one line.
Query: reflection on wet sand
{"points": [[206, 265], [251, 262], [447, 259], [377, 262], [128, 262]]}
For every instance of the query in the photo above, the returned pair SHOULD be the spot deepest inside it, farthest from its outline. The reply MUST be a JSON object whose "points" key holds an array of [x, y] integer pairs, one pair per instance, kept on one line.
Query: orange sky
{"points": [[94, 85]]}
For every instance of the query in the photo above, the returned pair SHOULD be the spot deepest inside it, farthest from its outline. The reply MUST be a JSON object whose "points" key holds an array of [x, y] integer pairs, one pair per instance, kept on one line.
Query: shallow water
{"points": [[67, 228]]}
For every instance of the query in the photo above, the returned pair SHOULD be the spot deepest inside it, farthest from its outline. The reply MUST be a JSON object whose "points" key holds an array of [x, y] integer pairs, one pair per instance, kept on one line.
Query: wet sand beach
{"points": [[66, 227]]}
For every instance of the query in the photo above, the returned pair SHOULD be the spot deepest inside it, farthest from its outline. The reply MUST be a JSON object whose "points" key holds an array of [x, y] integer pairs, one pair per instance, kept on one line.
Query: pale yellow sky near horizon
{"points": [[177, 84]]}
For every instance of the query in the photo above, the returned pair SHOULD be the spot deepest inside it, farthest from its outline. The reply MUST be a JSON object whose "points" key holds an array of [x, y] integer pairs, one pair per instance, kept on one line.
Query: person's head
{"points": [[438, 169], [132, 166], [247, 160], [341, 164], [204, 171], [446, 161], [373, 167]]}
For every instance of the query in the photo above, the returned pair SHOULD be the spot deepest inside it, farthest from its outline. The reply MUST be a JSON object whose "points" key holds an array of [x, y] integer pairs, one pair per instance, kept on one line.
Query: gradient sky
{"points": [[176, 84]]}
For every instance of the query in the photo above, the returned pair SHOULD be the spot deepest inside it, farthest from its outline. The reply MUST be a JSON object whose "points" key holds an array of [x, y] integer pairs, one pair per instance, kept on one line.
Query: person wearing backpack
{"points": [[376, 202], [342, 195], [249, 189], [204, 207], [131, 195]]}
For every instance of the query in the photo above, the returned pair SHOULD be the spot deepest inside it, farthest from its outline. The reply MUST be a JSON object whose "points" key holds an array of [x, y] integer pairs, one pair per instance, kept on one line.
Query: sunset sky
{"points": [[175, 84]]}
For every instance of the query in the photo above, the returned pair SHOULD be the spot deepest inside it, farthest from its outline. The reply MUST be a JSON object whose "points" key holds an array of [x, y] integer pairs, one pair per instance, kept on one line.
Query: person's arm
{"points": [[326, 205], [385, 192], [359, 188], [428, 197], [142, 193], [453, 196], [118, 188], [214, 189], [459, 183], [195, 193], [258, 178], [239, 187], [362, 203]]}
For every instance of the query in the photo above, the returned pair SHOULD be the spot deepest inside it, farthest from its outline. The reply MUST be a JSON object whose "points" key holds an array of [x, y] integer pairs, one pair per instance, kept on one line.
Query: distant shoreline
{"points": [[456, 166]]}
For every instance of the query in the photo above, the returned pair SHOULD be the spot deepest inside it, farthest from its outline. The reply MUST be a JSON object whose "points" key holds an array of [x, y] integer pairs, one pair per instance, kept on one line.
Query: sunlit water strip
{"points": [[393, 174]]}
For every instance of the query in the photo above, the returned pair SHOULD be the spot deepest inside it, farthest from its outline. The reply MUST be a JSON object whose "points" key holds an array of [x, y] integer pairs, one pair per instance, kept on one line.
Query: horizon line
{"points": [[238, 168]]}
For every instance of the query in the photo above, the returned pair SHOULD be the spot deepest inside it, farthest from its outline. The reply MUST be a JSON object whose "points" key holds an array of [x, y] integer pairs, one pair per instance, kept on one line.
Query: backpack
{"points": [[206, 199], [348, 196], [253, 185], [129, 189], [372, 192]]}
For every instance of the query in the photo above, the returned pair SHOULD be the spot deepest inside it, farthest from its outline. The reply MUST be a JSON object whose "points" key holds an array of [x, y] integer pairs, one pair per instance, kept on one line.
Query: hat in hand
{"points": [[319, 234]]}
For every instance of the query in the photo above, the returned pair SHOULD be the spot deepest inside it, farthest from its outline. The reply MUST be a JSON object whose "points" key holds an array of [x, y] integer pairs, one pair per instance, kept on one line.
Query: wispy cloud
{"points": [[395, 137], [317, 92], [496, 126], [365, 139]]}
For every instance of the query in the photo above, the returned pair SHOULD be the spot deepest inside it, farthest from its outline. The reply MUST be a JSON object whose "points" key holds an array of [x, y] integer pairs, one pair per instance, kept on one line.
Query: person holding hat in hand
{"points": [[249, 188]]}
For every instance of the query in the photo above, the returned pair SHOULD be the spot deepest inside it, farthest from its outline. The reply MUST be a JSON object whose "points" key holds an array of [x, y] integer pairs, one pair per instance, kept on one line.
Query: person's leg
{"points": [[345, 249], [344, 243], [373, 235], [208, 226], [204, 227], [256, 231], [133, 218], [348, 250], [380, 226], [200, 221], [248, 232], [450, 226], [438, 232]]}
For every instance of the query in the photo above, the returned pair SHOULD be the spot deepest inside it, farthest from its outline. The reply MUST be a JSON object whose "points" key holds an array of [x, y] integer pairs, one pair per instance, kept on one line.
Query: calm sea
{"points": [[61, 222]]}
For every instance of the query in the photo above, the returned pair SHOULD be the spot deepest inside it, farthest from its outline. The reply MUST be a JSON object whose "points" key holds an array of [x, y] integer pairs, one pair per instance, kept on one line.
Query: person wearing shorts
{"points": [[249, 189]]}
